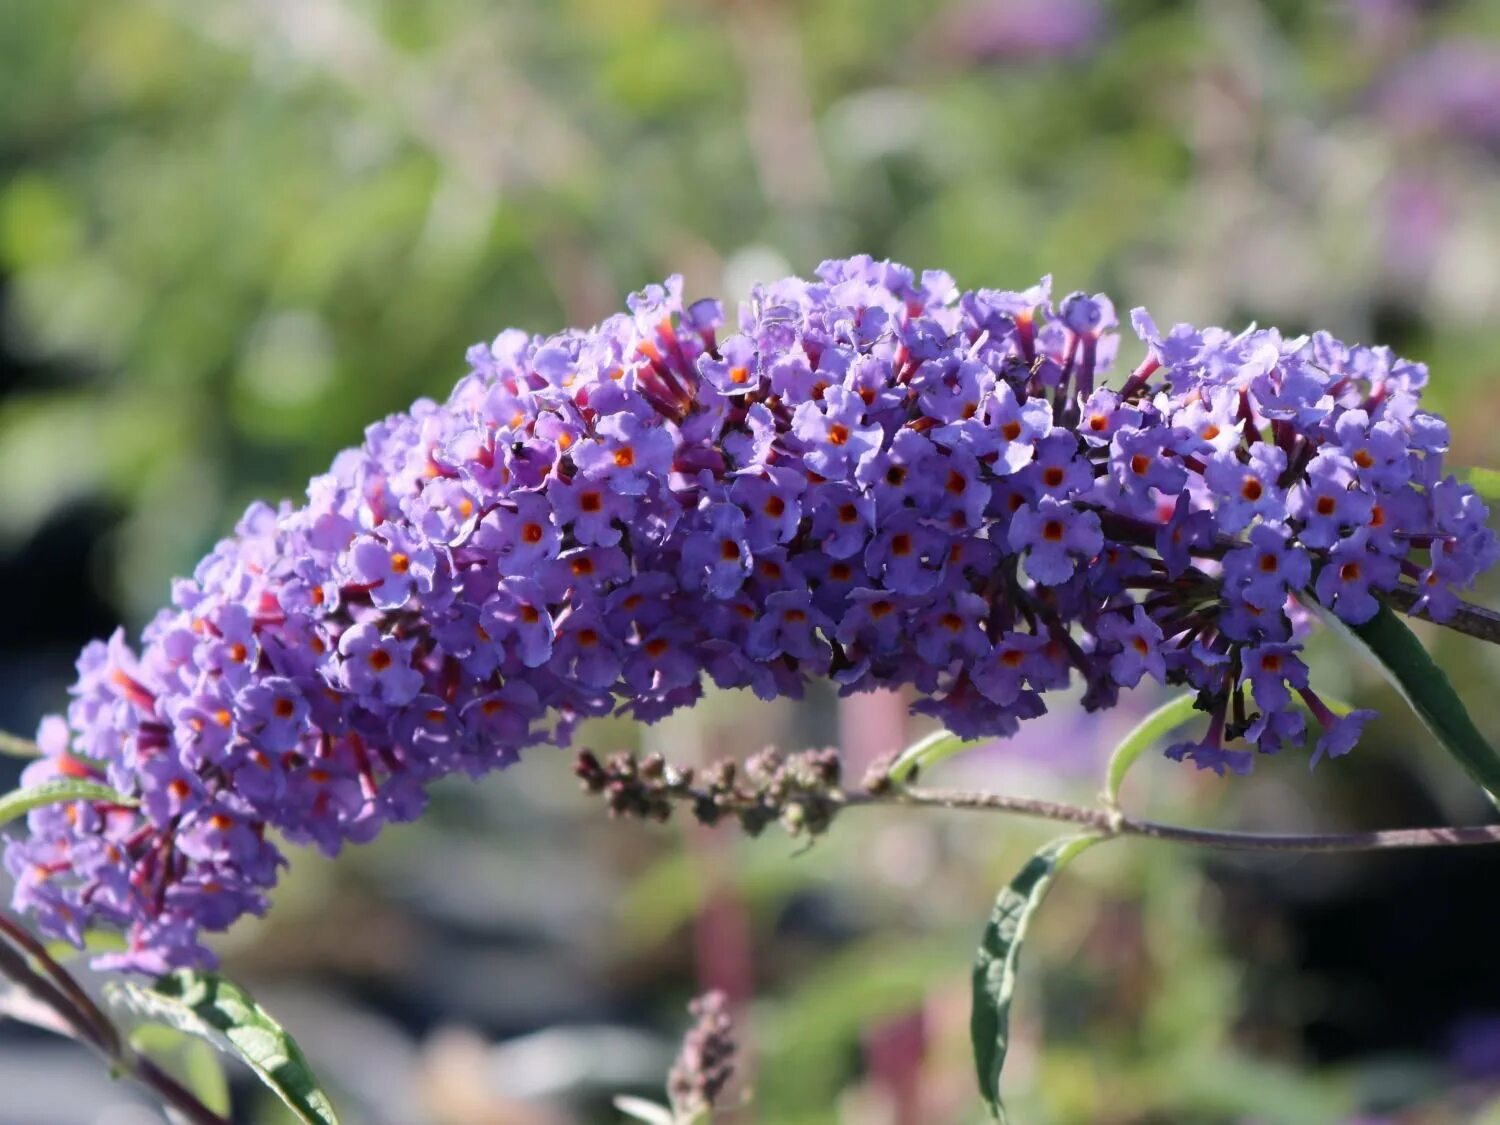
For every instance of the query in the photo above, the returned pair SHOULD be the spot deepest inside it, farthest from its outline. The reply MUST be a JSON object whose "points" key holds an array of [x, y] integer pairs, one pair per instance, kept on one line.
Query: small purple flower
{"points": [[875, 621], [1012, 429], [392, 568], [1054, 536], [901, 476], [522, 539], [790, 627], [737, 371], [501, 720], [953, 629], [1210, 424], [1102, 414], [1088, 316], [1247, 489], [377, 668], [842, 519], [626, 453], [1210, 753], [1275, 729], [750, 448], [716, 557], [772, 503], [1327, 501], [956, 396], [1377, 451], [1269, 669], [590, 510], [273, 713], [1002, 675], [1263, 571], [965, 495], [1057, 470], [835, 432], [1139, 640], [1139, 467], [1353, 568], [518, 614], [907, 555], [1185, 530], [1340, 732]]}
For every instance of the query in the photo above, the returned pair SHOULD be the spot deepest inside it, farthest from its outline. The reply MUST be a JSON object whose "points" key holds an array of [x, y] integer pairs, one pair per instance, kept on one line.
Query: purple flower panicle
{"points": [[876, 479]]}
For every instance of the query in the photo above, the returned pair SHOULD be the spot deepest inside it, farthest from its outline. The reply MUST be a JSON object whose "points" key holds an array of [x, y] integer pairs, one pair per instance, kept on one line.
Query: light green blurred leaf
{"points": [[927, 752], [642, 1110], [19, 802], [189, 1059], [1150, 730], [1486, 482], [225, 1015], [95, 942], [14, 746], [999, 953]]}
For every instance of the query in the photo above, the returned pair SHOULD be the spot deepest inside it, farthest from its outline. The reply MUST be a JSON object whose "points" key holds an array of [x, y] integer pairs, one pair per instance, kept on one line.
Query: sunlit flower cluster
{"points": [[874, 478]]}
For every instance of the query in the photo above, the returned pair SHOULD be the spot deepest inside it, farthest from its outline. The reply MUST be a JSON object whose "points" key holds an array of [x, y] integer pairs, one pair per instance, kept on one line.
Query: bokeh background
{"points": [[232, 232]]}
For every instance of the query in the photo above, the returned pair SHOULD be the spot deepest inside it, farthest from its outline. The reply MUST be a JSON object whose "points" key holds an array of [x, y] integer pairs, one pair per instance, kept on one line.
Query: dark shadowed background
{"points": [[233, 233]]}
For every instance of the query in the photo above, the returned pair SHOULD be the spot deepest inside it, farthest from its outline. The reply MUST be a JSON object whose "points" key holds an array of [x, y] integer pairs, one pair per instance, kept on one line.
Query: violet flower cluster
{"points": [[874, 478]]}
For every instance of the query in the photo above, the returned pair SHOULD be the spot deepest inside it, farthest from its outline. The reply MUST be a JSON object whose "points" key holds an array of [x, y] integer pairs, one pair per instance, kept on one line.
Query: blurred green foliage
{"points": [[232, 232], [242, 230]]}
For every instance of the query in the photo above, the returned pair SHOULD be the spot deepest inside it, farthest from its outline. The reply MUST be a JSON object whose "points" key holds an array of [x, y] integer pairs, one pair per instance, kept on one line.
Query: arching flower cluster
{"points": [[876, 478]]}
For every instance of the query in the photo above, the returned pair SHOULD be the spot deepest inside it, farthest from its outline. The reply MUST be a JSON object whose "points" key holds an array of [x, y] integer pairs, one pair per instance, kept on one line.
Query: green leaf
{"points": [[219, 1011], [19, 802], [999, 952], [928, 752], [1150, 730], [187, 1058], [95, 942], [19, 1005], [1486, 482], [14, 746], [1427, 689], [642, 1110]]}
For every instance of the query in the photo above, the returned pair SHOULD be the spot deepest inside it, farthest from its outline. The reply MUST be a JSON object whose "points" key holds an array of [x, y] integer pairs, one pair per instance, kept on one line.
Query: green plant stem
{"points": [[56, 988]]}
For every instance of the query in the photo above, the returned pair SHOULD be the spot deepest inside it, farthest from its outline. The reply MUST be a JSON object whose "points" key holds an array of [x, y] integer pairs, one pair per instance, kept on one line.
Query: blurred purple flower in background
{"points": [[1451, 88], [998, 30]]}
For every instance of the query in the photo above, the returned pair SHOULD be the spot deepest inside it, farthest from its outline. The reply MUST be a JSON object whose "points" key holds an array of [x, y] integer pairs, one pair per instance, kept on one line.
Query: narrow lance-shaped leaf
{"points": [[999, 951], [213, 1008], [927, 752], [14, 746], [1427, 689], [1149, 731], [19, 802], [639, 1109]]}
